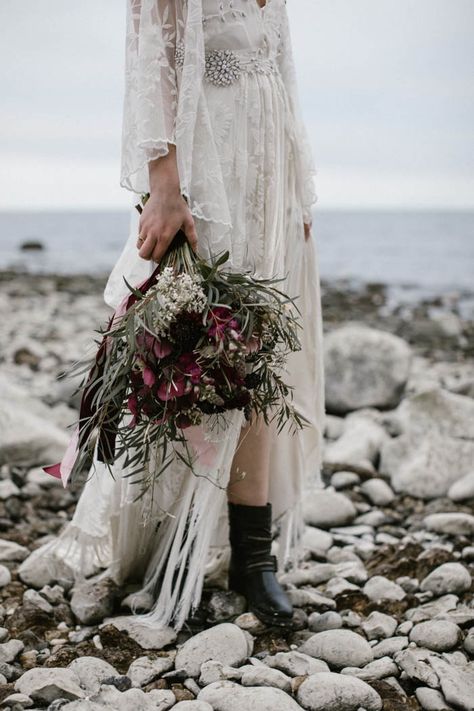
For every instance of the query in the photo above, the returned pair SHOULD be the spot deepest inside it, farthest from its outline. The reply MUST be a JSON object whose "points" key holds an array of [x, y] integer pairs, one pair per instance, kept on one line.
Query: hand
{"points": [[163, 215], [307, 230]]}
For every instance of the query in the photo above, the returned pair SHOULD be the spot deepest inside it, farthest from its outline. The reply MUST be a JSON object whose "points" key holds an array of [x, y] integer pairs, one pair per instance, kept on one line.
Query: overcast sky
{"points": [[386, 87]]}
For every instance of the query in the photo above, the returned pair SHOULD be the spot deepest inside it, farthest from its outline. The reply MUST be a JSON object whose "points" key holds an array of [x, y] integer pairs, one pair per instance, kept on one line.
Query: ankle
{"points": [[250, 500]]}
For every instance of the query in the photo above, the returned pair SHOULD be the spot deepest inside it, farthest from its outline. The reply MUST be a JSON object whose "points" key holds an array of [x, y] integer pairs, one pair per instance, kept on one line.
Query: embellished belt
{"points": [[224, 66]]}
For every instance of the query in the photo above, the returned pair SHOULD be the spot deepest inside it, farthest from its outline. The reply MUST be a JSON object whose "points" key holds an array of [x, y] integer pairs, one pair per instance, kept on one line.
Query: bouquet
{"points": [[189, 344]]}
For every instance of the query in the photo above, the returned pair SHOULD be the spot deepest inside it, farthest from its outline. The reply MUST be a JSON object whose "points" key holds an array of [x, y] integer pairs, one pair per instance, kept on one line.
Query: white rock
{"points": [[320, 622], [358, 446], [192, 706], [379, 625], [438, 635], [264, 676], [431, 609], [250, 623], [404, 627], [5, 576], [7, 489], [438, 410], [457, 684], [454, 524], [416, 664], [9, 550], [36, 574], [469, 642], [364, 368], [91, 672], [431, 699], [161, 699], [326, 508], [212, 671], [380, 588], [378, 669], [22, 700], [425, 467], [45, 684], [226, 643], [229, 696], [155, 700], [339, 586], [317, 573], [82, 705], [28, 436], [378, 492], [316, 540], [333, 426], [54, 594], [389, 647], [463, 488], [147, 636], [145, 669], [342, 555], [344, 480], [9, 650], [374, 518], [334, 692], [301, 598], [34, 598], [339, 648], [93, 600], [296, 663], [447, 578], [436, 447]]}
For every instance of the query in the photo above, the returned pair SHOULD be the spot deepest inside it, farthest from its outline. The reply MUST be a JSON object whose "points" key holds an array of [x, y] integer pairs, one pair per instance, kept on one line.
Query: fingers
{"points": [[189, 230], [147, 247]]}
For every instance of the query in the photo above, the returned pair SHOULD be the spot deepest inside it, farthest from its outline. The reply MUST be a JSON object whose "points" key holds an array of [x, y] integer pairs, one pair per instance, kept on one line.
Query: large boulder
{"points": [[359, 445], [364, 368], [29, 435], [437, 410], [435, 447]]}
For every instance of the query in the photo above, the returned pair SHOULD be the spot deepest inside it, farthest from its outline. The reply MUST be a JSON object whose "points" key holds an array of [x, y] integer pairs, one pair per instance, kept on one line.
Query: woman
{"points": [[212, 130]]}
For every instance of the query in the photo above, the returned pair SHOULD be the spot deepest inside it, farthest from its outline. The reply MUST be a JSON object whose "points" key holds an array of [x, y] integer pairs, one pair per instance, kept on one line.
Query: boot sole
{"points": [[273, 620]]}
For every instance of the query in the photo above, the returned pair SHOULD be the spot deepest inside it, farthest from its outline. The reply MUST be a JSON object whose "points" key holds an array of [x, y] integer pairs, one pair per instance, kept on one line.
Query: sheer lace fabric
{"points": [[246, 169], [163, 105]]}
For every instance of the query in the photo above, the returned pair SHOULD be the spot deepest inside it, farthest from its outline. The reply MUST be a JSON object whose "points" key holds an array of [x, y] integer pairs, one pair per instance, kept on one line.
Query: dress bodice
{"points": [[242, 24]]}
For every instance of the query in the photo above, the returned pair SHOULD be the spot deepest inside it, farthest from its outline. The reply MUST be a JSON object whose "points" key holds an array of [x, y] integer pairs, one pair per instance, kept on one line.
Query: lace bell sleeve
{"points": [[306, 170], [150, 92]]}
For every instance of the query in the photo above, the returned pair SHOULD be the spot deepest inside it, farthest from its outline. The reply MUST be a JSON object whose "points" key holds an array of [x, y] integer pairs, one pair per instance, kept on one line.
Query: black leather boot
{"points": [[252, 566]]}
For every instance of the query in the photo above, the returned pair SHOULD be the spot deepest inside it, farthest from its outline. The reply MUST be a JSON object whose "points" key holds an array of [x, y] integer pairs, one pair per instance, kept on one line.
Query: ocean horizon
{"points": [[423, 249]]}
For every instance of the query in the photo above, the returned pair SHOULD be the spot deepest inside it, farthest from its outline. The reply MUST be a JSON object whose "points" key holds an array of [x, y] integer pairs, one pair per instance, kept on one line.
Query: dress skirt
{"points": [[181, 533]]}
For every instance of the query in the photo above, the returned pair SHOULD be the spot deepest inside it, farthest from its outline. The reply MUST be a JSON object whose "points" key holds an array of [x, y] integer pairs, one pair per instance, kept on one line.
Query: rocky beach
{"points": [[384, 602]]}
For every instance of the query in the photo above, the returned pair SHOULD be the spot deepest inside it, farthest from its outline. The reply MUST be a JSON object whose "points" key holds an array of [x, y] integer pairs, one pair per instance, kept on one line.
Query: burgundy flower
{"points": [[132, 404], [162, 348], [149, 377], [169, 390]]}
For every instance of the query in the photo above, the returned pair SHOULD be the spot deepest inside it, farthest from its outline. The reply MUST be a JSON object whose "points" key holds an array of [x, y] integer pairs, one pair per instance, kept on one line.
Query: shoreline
{"points": [[384, 592]]}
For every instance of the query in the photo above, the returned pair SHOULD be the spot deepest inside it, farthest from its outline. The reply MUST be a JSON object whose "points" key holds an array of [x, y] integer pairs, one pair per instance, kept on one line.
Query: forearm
{"points": [[163, 173]]}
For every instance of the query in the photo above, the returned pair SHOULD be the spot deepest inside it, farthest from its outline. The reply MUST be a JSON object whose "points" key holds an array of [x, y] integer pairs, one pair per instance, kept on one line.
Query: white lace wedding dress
{"points": [[217, 79]]}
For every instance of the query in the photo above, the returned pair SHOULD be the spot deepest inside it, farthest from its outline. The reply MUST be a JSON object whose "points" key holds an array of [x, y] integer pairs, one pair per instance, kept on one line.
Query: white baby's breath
{"points": [[176, 294]]}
